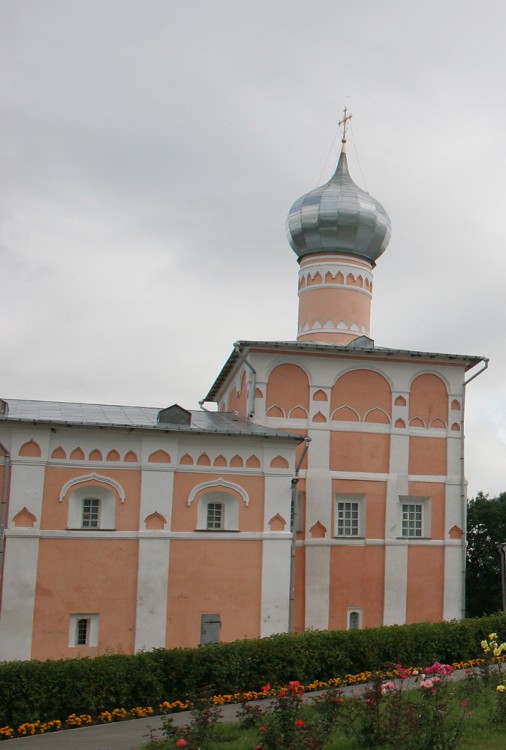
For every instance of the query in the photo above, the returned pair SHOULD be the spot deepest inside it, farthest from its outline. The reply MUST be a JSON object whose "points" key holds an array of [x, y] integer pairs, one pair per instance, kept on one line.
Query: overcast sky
{"points": [[151, 149]]}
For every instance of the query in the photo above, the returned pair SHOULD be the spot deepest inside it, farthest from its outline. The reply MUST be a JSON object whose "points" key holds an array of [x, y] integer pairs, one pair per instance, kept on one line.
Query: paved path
{"points": [[132, 734]]}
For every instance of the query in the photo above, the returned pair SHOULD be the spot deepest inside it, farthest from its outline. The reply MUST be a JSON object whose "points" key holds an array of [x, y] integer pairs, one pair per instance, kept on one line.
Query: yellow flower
{"points": [[492, 636], [500, 688]]}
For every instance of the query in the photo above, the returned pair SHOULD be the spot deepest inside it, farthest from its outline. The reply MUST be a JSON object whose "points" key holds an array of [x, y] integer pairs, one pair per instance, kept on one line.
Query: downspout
{"points": [[294, 506], [3, 511], [251, 397], [463, 496]]}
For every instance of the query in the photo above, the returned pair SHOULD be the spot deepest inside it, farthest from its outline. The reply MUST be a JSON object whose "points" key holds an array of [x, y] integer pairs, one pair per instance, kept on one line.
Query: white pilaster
{"points": [[317, 584], [18, 598], [275, 585], [453, 603], [152, 587], [156, 494], [396, 570]]}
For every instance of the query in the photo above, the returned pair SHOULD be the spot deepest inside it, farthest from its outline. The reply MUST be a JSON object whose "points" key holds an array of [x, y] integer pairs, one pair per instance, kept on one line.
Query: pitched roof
{"points": [[133, 417]]}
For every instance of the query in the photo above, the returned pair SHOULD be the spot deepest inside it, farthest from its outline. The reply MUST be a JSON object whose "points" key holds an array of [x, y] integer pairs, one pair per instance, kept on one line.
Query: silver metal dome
{"points": [[338, 217]]}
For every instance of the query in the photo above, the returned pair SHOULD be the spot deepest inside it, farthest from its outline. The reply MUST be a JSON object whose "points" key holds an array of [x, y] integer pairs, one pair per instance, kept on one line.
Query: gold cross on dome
{"points": [[344, 123]]}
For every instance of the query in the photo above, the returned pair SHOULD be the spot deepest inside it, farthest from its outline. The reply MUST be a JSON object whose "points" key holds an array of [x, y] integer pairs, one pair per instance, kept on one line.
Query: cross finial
{"points": [[344, 123]]}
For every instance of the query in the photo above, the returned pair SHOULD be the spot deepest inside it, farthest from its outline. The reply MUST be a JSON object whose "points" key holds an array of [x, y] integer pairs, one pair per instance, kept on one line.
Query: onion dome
{"points": [[338, 217]]}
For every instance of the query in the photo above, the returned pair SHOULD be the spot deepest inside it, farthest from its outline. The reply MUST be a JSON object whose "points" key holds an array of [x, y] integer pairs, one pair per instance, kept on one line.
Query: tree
{"points": [[486, 528]]}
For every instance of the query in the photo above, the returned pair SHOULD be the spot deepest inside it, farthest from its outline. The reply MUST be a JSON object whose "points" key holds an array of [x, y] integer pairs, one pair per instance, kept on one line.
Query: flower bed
{"points": [[168, 707]]}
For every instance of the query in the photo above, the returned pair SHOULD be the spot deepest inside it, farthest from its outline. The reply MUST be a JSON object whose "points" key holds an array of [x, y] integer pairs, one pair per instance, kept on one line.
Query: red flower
{"points": [[262, 729], [181, 743], [464, 703], [299, 723], [266, 688], [294, 683], [282, 693]]}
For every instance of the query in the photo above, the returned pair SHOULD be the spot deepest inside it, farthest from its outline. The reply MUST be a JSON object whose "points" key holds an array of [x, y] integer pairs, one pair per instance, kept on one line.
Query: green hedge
{"points": [[32, 690]]}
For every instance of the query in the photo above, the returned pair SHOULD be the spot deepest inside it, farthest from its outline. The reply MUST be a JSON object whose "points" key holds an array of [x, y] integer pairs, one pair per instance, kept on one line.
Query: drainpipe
{"points": [[463, 496], [251, 398], [294, 506], [3, 509]]}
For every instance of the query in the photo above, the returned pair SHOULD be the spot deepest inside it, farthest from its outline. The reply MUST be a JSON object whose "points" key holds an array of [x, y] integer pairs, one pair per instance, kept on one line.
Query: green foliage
{"points": [[486, 528], [54, 689]]}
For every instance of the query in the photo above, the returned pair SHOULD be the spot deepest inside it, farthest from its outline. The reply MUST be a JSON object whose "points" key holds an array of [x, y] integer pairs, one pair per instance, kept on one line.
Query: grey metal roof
{"points": [[138, 417], [338, 217], [356, 349]]}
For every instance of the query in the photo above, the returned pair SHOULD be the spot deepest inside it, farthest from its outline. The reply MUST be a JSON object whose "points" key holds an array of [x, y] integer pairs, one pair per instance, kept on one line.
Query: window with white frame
{"points": [[218, 511], [354, 618], [91, 513], [349, 516], [215, 516], [83, 630], [91, 508], [415, 517]]}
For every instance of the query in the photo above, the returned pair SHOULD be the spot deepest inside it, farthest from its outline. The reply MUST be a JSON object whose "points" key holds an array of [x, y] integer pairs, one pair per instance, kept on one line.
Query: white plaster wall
{"points": [[152, 588], [317, 584], [275, 601], [18, 597]]}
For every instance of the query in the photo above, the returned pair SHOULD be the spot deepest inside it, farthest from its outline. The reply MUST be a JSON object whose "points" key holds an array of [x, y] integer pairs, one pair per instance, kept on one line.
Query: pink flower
{"points": [[464, 703], [299, 723]]}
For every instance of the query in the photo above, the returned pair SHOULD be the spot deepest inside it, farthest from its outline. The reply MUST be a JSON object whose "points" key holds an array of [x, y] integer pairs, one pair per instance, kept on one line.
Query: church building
{"points": [[327, 491]]}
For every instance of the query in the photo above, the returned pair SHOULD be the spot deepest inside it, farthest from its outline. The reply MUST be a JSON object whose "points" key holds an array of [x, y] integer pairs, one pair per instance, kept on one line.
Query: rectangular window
{"points": [[349, 512], [91, 508], [347, 519], [83, 630], [412, 519], [214, 516]]}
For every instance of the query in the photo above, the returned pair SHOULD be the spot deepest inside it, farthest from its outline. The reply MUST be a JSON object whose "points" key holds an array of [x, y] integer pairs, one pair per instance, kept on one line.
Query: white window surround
{"points": [[91, 631], [357, 500], [230, 511], [426, 521], [355, 618], [218, 484], [92, 485], [107, 513]]}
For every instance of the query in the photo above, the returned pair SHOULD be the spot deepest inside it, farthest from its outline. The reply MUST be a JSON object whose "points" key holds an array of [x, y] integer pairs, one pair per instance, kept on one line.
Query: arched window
{"points": [[354, 618], [218, 511]]}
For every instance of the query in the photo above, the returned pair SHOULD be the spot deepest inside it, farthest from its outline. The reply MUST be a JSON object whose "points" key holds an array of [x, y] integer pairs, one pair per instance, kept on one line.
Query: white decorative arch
{"points": [[93, 477], [377, 408], [370, 367], [429, 371], [222, 484], [341, 408]]}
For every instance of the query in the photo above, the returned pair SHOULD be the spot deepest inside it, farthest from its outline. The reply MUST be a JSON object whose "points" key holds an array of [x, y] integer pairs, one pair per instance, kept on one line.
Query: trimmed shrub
{"points": [[48, 690]]}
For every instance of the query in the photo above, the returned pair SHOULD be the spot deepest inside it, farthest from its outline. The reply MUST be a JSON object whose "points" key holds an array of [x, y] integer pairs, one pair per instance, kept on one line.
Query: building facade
{"points": [[327, 491]]}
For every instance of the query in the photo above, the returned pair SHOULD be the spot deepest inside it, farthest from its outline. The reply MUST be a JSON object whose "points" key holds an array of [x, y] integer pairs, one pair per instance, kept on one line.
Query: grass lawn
{"points": [[479, 729]]}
